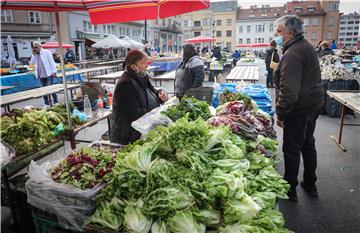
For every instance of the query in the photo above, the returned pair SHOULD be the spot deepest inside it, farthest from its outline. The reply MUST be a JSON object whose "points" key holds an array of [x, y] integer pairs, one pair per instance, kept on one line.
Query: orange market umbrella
{"points": [[55, 45], [258, 45], [105, 12], [200, 39], [243, 45]]}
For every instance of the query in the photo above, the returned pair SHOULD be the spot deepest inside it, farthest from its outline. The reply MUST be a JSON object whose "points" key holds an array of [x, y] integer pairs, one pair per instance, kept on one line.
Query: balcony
{"points": [[171, 28], [84, 35]]}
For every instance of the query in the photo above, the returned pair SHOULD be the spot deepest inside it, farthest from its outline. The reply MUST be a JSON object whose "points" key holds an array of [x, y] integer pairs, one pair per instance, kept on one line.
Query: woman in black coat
{"points": [[134, 96], [269, 54]]}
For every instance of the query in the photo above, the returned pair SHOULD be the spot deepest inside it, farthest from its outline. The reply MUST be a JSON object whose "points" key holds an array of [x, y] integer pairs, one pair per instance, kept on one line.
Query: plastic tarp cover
{"points": [[71, 205]]}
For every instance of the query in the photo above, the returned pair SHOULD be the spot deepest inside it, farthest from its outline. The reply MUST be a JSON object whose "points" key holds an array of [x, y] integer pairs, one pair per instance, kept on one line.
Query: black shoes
{"points": [[311, 191], [292, 195]]}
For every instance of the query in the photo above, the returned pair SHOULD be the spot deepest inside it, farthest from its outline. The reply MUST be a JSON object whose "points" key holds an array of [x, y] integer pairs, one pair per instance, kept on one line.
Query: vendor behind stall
{"points": [[134, 96], [190, 73]]}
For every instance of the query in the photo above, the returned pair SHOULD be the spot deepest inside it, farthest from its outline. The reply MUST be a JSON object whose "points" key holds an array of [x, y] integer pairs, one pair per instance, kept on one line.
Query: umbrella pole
{"points": [[58, 33]]}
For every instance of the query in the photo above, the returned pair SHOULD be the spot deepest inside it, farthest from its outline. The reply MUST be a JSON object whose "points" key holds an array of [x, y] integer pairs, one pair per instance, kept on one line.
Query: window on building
{"points": [[228, 45], [240, 41], [356, 28], [271, 27], [349, 28], [6, 16], [298, 9], [197, 23], [354, 39], [208, 33], [248, 28], [197, 34], [186, 23], [218, 22], [259, 28], [329, 34], [128, 31], [311, 9], [348, 39], [228, 33], [341, 39], [350, 22], [248, 41], [342, 34], [306, 21], [206, 22], [228, 22], [305, 35], [357, 22], [315, 21], [251, 16], [34, 17], [331, 21], [342, 28], [218, 33], [240, 29], [342, 22], [349, 33], [356, 33], [87, 26], [313, 35], [333, 6]]}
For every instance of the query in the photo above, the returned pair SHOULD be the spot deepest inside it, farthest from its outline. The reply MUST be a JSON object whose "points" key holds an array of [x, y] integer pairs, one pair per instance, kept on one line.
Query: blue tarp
{"points": [[26, 81], [165, 65]]}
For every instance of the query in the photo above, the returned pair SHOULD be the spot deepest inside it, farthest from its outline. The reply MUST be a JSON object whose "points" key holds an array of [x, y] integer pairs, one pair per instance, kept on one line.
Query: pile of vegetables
{"points": [[85, 168], [193, 177], [227, 96], [244, 120], [28, 129], [332, 69], [188, 105]]}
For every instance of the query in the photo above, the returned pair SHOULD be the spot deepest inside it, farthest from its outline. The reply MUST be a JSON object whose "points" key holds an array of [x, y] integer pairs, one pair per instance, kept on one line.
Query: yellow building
{"points": [[219, 21]]}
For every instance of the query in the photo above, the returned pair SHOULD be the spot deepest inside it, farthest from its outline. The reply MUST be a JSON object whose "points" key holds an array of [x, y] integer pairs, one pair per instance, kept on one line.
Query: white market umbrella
{"points": [[133, 44], [52, 38], [110, 41], [11, 51]]}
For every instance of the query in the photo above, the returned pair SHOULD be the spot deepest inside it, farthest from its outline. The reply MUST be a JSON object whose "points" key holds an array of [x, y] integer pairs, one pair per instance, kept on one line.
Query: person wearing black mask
{"points": [[134, 96]]}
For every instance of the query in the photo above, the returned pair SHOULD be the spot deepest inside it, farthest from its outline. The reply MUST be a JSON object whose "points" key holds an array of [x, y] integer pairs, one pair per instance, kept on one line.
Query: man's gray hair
{"points": [[291, 23], [36, 43]]}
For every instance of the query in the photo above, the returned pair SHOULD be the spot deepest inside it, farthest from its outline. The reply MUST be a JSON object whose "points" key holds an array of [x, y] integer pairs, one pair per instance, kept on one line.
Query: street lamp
{"points": [[213, 31]]}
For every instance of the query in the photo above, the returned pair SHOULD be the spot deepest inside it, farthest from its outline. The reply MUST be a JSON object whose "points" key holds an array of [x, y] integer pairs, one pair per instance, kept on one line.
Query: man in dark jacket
{"points": [[299, 99], [271, 53]]}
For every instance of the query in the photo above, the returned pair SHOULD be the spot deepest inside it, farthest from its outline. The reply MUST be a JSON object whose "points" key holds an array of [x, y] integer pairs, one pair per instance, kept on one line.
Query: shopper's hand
{"points": [[280, 123], [163, 96]]}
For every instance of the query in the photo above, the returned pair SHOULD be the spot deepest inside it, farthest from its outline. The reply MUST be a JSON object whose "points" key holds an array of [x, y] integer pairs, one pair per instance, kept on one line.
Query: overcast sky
{"points": [[346, 6]]}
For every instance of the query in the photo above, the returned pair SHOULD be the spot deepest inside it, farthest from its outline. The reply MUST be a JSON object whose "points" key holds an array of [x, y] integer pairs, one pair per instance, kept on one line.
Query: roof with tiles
{"points": [[263, 12], [305, 8]]}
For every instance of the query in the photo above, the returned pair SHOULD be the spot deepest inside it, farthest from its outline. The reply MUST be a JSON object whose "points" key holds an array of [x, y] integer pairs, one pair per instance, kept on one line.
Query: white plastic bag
{"points": [[71, 205], [7, 153], [153, 118]]}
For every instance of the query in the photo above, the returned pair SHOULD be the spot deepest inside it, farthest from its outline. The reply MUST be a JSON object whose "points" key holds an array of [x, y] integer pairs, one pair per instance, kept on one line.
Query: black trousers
{"points": [[299, 140], [269, 78]]}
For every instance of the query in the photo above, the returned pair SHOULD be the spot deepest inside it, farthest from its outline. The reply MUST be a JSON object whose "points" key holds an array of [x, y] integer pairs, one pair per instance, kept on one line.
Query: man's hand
{"points": [[280, 123], [53, 75], [163, 96]]}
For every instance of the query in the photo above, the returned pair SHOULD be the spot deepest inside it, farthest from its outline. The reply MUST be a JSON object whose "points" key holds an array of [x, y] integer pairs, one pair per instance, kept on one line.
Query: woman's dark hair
{"points": [[189, 52], [273, 43], [133, 57]]}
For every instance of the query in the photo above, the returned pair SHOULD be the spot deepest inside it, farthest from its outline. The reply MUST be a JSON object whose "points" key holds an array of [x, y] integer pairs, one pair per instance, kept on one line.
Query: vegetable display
{"points": [[27, 130], [332, 69], [191, 106], [243, 120], [85, 168], [193, 177]]}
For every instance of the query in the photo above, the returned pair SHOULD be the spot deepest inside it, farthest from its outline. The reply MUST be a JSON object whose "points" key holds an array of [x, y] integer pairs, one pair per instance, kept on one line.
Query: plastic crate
{"points": [[201, 93], [48, 223]]}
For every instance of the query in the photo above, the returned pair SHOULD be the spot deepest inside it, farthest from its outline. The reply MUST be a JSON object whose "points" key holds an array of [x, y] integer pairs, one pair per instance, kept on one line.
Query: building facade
{"points": [[349, 30], [25, 27], [256, 25], [219, 21], [321, 19]]}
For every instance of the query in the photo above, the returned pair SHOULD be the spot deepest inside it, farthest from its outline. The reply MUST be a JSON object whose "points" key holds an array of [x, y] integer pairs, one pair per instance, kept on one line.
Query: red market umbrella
{"points": [[111, 11], [258, 45], [105, 12], [55, 45], [243, 45], [200, 39]]}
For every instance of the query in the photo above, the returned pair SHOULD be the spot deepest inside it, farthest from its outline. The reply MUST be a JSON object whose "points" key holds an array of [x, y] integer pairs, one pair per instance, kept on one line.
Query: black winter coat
{"points": [[269, 53], [298, 80], [133, 97]]}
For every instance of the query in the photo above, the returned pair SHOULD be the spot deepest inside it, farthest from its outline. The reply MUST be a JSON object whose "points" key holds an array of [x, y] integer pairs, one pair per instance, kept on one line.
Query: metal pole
{"points": [[58, 34], [145, 32]]}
